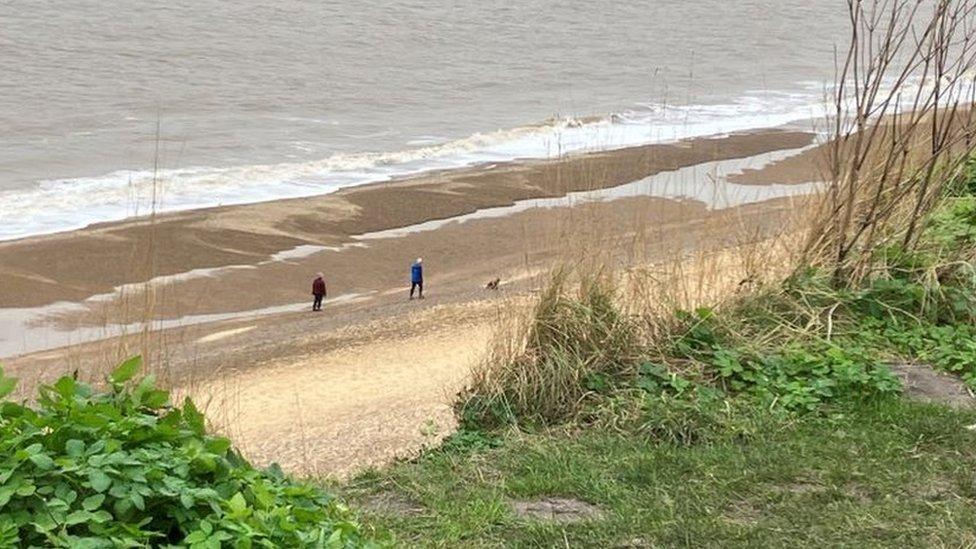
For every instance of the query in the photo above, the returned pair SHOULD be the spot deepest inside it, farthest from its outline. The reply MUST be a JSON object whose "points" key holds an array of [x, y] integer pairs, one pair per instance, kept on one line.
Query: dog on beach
{"points": [[493, 285]]}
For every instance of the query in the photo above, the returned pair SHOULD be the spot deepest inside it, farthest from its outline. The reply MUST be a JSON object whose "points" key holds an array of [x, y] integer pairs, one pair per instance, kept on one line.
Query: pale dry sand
{"points": [[361, 405]]}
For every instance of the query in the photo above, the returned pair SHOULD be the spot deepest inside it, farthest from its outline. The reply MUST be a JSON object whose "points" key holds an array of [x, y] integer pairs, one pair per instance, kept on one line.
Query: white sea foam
{"points": [[64, 204]]}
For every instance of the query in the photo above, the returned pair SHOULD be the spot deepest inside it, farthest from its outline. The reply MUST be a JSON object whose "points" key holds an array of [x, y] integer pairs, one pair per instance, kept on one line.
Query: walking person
{"points": [[318, 291], [417, 277]]}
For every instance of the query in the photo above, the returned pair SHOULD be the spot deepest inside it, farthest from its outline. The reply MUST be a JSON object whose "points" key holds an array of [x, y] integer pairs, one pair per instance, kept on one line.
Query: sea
{"points": [[110, 110]]}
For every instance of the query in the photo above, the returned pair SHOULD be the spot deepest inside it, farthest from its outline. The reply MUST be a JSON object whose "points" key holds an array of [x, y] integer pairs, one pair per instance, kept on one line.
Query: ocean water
{"points": [[110, 110]]}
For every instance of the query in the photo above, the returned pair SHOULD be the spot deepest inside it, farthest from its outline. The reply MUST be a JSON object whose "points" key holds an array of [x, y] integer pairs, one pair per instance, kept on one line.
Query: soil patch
{"points": [[921, 382], [938, 489], [742, 513], [392, 504], [556, 509]]}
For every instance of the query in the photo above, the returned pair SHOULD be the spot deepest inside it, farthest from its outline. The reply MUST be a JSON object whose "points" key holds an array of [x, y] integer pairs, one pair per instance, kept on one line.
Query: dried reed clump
{"points": [[592, 326], [541, 366]]}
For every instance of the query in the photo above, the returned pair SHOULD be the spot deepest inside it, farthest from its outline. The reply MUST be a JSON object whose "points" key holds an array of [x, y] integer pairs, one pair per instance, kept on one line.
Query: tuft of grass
{"points": [[575, 345]]}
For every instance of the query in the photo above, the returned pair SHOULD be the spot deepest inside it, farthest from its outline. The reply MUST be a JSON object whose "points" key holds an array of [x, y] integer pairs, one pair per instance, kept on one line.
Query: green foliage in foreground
{"points": [[123, 469], [810, 342], [796, 376], [886, 473]]}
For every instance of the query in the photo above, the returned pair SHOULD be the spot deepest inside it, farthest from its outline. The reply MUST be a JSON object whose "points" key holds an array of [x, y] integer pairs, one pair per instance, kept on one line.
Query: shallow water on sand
{"points": [[706, 183], [259, 100]]}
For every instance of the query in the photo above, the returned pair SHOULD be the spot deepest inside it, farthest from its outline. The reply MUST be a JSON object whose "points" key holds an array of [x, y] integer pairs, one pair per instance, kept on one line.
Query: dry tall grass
{"points": [[126, 321], [901, 129], [594, 323]]}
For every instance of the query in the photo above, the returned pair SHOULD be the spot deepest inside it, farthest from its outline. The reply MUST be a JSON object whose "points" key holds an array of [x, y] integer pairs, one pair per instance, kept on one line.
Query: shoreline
{"points": [[127, 193], [76, 265], [217, 265]]}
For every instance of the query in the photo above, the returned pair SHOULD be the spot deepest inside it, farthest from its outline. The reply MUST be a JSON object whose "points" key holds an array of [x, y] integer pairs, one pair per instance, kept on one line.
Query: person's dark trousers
{"points": [[317, 305], [417, 286]]}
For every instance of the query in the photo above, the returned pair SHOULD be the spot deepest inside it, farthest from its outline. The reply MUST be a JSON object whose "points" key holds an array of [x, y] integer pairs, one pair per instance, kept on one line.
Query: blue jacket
{"points": [[416, 273]]}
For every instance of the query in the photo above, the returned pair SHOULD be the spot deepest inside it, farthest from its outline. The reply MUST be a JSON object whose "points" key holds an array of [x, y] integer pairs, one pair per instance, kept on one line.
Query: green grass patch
{"points": [[888, 473]]}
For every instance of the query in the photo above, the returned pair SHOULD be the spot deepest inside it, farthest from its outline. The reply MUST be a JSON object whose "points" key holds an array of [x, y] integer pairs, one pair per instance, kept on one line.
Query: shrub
{"points": [[801, 378], [124, 469], [965, 183], [797, 376]]}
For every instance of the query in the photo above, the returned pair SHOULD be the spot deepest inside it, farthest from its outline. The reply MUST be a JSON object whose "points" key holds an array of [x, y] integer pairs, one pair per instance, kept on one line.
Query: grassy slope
{"points": [[848, 463], [891, 473]]}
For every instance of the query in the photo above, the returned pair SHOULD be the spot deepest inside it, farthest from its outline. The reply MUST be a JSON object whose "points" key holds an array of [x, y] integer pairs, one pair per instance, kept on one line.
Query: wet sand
{"points": [[76, 265], [801, 168]]}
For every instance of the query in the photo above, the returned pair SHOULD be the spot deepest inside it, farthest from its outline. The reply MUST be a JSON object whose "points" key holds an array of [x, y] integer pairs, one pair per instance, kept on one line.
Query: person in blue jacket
{"points": [[417, 277]]}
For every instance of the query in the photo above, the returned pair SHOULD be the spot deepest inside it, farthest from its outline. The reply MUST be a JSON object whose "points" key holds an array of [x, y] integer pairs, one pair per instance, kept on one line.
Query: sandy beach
{"points": [[78, 264], [228, 320]]}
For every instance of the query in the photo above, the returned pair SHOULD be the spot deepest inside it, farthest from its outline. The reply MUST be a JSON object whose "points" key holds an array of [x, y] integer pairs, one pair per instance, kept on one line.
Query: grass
{"points": [[573, 340], [889, 473]]}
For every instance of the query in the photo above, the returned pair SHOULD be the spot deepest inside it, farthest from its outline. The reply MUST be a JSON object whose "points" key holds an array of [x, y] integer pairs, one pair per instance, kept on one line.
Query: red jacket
{"points": [[318, 287]]}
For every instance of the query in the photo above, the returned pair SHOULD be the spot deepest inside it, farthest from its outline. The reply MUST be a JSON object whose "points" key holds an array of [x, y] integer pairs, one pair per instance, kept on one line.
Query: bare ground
{"points": [[358, 405], [922, 382]]}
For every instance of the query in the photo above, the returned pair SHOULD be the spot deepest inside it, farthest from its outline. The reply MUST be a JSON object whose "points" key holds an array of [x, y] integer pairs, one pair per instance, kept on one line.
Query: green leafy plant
{"points": [[656, 379], [698, 334], [123, 468], [465, 440]]}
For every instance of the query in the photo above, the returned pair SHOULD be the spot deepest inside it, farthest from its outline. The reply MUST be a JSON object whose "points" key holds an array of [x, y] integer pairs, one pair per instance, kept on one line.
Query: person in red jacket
{"points": [[318, 291]]}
